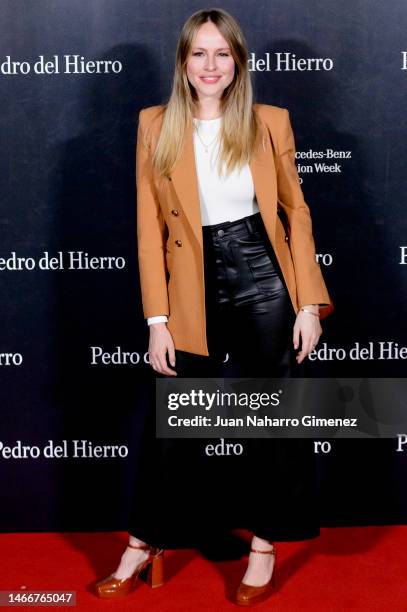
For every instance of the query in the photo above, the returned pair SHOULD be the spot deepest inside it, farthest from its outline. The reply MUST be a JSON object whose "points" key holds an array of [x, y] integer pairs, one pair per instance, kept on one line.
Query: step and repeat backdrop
{"points": [[75, 380]]}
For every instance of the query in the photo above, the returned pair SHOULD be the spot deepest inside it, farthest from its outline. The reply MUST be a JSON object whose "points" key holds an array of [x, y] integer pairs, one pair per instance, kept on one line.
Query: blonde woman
{"points": [[227, 262]]}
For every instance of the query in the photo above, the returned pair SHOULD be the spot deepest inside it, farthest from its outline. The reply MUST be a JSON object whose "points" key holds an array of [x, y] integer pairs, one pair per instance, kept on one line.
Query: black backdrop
{"points": [[73, 339]]}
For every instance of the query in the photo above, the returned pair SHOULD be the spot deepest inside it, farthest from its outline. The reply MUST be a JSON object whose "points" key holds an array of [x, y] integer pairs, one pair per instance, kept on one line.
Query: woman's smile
{"points": [[210, 79]]}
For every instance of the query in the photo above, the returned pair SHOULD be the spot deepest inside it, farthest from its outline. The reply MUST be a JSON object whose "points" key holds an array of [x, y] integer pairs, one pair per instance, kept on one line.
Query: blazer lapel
{"points": [[264, 176], [185, 181]]}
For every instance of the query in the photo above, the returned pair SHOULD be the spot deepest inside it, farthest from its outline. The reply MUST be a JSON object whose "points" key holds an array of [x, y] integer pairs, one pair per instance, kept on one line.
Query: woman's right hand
{"points": [[160, 342]]}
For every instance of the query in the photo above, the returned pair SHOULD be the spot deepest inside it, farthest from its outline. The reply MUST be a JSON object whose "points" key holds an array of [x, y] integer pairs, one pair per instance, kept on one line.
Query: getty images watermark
{"points": [[281, 407]]}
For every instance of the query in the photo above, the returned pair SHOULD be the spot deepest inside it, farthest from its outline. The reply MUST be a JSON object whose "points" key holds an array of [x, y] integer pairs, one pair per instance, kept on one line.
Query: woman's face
{"points": [[210, 66]]}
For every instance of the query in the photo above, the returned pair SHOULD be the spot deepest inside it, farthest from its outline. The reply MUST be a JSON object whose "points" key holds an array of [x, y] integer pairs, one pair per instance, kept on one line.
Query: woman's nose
{"points": [[210, 63]]}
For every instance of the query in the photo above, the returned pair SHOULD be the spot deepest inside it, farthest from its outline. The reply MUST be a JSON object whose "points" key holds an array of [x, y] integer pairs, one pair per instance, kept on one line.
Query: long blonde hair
{"points": [[239, 130]]}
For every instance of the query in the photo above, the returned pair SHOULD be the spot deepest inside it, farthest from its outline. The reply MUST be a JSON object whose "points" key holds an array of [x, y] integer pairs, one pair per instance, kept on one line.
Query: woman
{"points": [[227, 262]]}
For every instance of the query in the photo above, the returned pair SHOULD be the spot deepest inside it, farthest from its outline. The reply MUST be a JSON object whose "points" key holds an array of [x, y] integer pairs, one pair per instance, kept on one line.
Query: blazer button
{"points": [[286, 238], [178, 242], [175, 212]]}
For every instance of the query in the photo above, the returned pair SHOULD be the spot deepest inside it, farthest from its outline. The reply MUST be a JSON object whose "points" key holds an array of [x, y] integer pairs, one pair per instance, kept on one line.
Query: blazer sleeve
{"points": [[311, 288], [151, 232]]}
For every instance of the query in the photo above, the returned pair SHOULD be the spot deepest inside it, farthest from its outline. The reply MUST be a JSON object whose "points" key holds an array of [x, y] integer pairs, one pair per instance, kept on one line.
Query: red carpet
{"points": [[360, 568]]}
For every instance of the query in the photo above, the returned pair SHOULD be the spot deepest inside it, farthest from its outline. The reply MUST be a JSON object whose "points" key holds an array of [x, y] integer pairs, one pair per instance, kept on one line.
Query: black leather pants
{"points": [[270, 488], [248, 310]]}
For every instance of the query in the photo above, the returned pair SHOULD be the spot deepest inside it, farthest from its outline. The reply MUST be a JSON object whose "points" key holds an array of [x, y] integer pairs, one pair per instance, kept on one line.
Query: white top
{"points": [[221, 198]]}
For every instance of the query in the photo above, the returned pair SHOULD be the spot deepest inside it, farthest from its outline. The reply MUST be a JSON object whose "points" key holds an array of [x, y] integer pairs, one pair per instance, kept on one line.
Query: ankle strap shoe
{"points": [[247, 594], [151, 571]]}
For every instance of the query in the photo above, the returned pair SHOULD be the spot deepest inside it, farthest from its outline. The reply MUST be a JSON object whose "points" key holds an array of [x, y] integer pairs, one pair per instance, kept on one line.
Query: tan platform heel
{"points": [[151, 570], [247, 594]]}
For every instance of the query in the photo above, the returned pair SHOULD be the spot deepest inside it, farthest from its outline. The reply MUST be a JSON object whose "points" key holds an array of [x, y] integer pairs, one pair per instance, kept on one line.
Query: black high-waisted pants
{"points": [[181, 493]]}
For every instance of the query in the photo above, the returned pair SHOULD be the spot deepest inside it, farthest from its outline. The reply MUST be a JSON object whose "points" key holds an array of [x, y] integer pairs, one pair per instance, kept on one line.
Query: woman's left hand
{"points": [[309, 328]]}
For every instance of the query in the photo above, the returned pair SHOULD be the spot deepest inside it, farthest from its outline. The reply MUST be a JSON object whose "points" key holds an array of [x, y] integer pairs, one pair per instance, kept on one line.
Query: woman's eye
{"points": [[222, 53]]}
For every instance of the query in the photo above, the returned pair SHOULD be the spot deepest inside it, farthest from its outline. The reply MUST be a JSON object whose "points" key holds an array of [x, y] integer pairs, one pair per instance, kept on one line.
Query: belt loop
{"points": [[249, 225]]}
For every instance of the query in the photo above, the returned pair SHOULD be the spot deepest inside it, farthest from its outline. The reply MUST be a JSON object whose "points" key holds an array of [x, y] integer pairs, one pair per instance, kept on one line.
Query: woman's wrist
{"points": [[312, 309]]}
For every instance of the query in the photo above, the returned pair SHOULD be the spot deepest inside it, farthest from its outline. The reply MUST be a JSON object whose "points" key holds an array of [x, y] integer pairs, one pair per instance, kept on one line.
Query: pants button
{"points": [[221, 232]]}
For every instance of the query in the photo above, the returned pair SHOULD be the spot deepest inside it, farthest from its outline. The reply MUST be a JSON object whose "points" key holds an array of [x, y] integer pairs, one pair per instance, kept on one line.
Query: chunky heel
{"points": [[151, 570], [153, 574]]}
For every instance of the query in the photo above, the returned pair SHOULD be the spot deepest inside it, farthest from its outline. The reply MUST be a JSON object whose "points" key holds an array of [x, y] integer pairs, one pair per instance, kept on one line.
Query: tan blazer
{"points": [[169, 228]]}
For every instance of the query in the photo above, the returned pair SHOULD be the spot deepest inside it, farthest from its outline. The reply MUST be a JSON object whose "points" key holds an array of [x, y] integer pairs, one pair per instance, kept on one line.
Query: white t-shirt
{"points": [[225, 198]]}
